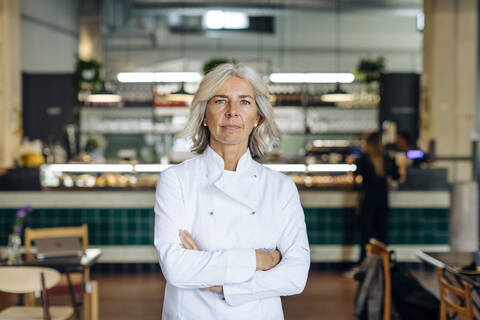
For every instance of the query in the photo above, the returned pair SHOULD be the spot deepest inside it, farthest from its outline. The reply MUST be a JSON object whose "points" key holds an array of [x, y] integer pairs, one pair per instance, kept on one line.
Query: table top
{"points": [[62, 264], [461, 263]]}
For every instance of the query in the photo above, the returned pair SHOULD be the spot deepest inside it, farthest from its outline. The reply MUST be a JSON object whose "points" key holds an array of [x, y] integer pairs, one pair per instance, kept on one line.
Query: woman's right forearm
{"points": [[198, 269]]}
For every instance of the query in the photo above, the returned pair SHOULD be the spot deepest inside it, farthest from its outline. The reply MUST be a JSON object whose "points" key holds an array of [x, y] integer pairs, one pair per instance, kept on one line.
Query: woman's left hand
{"points": [[189, 244], [187, 240]]}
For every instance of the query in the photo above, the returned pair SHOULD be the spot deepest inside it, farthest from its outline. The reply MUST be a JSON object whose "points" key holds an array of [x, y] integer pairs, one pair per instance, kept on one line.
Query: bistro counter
{"points": [[121, 223]]}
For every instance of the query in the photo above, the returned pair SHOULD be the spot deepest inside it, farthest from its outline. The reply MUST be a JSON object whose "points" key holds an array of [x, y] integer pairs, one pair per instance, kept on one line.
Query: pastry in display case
{"points": [[145, 176]]}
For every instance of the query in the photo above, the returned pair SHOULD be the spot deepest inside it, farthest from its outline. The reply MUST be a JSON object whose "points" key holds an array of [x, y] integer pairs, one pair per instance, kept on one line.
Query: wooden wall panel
{"points": [[10, 81]]}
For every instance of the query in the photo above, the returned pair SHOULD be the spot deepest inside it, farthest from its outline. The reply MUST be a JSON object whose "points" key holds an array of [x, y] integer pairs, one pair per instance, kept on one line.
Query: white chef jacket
{"points": [[229, 214]]}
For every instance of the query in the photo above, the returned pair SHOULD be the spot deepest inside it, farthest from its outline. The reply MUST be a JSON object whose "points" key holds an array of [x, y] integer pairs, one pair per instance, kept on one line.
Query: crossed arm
{"points": [[265, 260]]}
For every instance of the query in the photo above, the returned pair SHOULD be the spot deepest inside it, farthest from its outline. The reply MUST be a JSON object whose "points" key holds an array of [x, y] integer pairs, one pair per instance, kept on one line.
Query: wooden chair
{"points": [[378, 248], [75, 278], [27, 280], [447, 290]]}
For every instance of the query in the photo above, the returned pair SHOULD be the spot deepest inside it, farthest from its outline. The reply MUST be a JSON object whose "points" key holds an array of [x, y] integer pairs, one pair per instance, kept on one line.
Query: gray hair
{"points": [[262, 138]]}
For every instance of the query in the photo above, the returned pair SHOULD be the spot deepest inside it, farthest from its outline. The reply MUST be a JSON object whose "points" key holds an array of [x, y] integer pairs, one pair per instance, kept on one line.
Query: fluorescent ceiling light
{"points": [[236, 20], [287, 167], [104, 98], [151, 167], [312, 77], [136, 77], [90, 167], [159, 77], [214, 19], [331, 167], [217, 20]]}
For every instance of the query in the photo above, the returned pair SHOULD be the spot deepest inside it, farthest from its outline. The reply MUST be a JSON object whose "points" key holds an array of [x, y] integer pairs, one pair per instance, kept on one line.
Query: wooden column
{"points": [[449, 80], [10, 82]]}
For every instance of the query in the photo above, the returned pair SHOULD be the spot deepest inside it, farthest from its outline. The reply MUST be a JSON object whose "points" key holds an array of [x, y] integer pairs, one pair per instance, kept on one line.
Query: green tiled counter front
{"points": [[105, 226], [326, 226], [334, 226]]}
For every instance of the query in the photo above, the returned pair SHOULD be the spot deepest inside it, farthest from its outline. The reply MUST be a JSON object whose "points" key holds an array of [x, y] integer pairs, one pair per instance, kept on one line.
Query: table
{"points": [[66, 265], [460, 263]]}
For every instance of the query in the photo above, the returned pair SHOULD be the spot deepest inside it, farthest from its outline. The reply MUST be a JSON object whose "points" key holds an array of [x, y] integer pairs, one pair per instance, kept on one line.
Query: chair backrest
{"points": [[378, 248], [27, 279], [34, 234], [452, 288]]}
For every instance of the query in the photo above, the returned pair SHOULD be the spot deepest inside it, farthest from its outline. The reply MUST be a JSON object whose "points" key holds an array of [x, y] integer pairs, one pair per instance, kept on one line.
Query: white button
{"points": [[211, 213], [254, 176], [253, 212]]}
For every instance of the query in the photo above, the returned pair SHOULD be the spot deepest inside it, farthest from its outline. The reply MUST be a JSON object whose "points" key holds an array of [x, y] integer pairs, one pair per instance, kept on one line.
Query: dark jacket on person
{"points": [[373, 201], [371, 181]]}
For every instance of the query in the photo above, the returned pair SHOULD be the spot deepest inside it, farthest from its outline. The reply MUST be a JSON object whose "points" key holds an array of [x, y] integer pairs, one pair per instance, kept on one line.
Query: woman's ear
{"points": [[259, 119]]}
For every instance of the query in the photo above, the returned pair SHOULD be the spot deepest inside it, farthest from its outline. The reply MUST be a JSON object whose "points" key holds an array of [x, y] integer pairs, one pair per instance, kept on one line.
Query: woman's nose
{"points": [[232, 109]]}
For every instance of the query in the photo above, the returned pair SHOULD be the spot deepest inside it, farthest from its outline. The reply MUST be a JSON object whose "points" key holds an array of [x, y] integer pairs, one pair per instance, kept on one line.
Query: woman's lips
{"points": [[231, 127]]}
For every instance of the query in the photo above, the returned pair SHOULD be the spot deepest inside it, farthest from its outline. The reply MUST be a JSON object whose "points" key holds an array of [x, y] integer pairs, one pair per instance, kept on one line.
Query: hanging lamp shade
{"points": [[181, 95], [337, 95], [104, 96]]}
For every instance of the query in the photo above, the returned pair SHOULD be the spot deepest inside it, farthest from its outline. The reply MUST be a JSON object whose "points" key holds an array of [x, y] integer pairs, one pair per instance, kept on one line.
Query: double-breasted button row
{"points": [[211, 213]]}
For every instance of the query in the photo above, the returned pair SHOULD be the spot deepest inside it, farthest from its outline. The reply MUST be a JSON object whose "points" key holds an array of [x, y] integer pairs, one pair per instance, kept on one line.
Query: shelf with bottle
{"points": [[133, 120], [355, 95], [168, 120], [157, 95], [301, 120]]}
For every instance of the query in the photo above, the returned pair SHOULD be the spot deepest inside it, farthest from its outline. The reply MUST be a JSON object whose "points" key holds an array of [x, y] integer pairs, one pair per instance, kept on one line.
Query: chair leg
{"points": [[94, 300], [29, 299], [86, 306], [443, 311], [46, 312], [86, 298]]}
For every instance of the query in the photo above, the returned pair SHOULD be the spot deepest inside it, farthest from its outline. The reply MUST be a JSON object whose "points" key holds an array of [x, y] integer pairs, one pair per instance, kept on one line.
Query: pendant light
{"points": [[181, 95], [104, 96], [337, 95]]}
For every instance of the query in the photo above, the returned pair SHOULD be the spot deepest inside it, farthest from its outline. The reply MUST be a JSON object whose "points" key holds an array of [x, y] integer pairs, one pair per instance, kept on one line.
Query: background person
{"points": [[377, 170]]}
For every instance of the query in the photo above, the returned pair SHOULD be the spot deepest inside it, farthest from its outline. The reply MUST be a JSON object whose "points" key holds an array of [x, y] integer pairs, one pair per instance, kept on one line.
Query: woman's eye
{"points": [[220, 101], [245, 102]]}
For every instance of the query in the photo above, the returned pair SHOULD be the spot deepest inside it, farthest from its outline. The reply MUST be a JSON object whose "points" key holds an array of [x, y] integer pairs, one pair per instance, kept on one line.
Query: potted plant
{"points": [[369, 69], [209, 65]]}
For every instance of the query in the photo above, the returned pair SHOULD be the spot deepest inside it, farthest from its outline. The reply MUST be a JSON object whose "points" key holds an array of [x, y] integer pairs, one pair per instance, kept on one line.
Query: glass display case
{"points": [[144, 176]]}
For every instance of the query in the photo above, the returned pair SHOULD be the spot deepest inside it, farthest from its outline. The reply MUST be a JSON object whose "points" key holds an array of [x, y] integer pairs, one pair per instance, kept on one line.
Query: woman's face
{"points": [[232, 113]]}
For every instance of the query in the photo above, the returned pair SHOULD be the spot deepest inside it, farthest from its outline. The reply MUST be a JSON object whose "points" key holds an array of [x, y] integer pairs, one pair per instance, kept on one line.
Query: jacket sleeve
{"points": [[290, 275], [184, 268]]}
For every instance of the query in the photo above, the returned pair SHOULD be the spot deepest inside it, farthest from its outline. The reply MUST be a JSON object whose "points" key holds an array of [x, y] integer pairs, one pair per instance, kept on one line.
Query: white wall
{"points": [[303, 41], [49, 35]]}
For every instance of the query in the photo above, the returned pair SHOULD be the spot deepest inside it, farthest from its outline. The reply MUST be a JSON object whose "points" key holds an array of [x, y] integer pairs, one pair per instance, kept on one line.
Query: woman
{"points": [[229, 232], [376, 170]]}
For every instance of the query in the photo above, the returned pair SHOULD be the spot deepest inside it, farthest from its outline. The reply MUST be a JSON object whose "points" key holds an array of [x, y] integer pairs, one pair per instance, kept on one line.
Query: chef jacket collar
{"points": [[216, 164], [247, 168]]}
